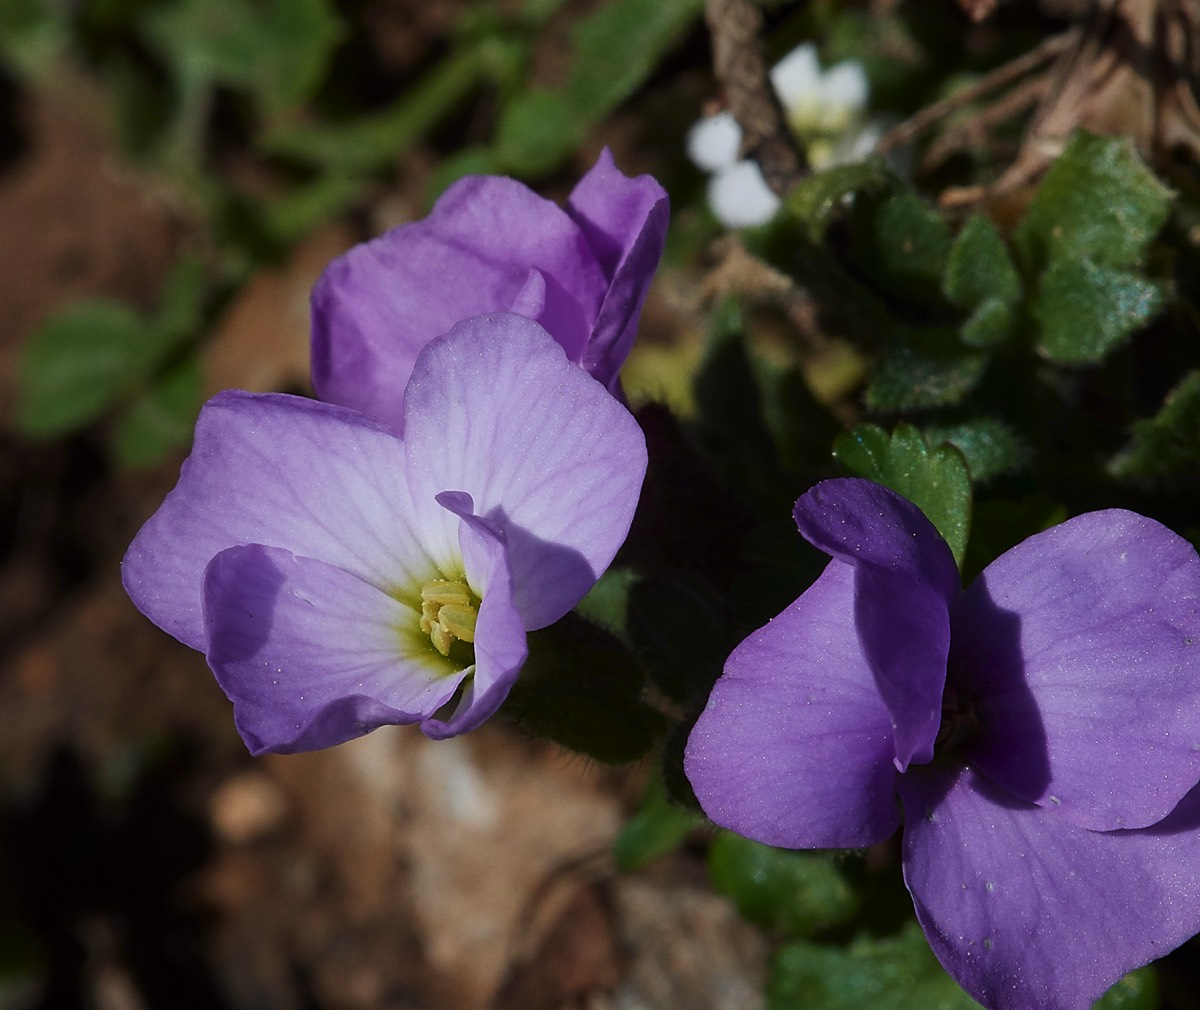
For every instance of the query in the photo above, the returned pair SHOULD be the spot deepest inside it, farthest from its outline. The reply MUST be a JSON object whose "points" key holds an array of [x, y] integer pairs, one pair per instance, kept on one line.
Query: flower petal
{"points": [[1080, 649], [715, 142], [795, 745], [740, 197], [496, 410], [552, 307], [1025, 909], [797, 77], [312, 656], [375, 307], [284, 471], [625, 222], [905, 580], [500, 647]]}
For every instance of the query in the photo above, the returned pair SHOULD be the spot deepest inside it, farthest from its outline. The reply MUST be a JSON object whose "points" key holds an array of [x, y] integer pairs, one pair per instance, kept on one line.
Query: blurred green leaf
{"points": [[936, 480], [162, 418], [1084, 310], [818, 195], [1136, 991], [607, 602], [989, 446], [924, 369], [989, 325], [677, 627], [372, 142], [979, 269], [1097, 202], [32, 34], [901, 242], [658, 827], [615, 48], [581, 688], [80, 361], [1167, 445], [798, 893], [891, 973], [278, 50]]}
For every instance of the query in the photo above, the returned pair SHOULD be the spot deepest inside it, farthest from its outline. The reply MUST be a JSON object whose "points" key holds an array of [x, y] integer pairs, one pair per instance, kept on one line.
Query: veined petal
{"points": [[905, 580], [1025, 909], [376, 306], [317, 479], [495, 409], [1080, 649], [795, 745], [552, 307], [625, 223], [312, 656], [500, 648]]}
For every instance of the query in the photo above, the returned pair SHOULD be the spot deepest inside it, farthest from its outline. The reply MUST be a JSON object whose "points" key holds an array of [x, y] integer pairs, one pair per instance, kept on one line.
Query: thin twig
{"points": [[998, 78], [738, 62]]}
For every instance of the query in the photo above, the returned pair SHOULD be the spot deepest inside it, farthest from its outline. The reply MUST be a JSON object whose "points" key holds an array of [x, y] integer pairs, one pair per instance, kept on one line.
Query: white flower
{"points": [[825, 110]]}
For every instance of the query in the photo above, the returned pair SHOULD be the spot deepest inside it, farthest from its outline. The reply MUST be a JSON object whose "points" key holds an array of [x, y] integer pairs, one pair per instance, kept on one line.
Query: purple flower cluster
{"points": [[377, 558], [1041, 730]]}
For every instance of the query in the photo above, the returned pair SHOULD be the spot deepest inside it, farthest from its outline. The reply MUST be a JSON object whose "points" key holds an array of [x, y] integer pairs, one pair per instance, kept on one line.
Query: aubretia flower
{"points": [[339, 577], [1042, 730], [826, 113], [490, 244]]}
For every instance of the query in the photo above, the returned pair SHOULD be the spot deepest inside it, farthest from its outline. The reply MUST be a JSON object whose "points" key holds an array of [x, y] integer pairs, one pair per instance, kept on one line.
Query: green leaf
{"points": [[615, 49], [990, 325], [32, 35], [658, 827], [371, 142], [798, 893], [278, 50], [817, 196], [607, 602], [892, 973], [1083, 311], [676, 626], [979, 268], [1099, 202], [1136, 991], [989, 446], [79, 361], [1166, 446], [922, 370], [936, 480], [901, 242], [162, 418], [583, 689]]}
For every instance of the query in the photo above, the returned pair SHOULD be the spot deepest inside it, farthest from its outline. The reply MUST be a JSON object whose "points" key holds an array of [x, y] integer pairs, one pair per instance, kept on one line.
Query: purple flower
{"points": [[1042, 730], [339, 577], [490, 244]]}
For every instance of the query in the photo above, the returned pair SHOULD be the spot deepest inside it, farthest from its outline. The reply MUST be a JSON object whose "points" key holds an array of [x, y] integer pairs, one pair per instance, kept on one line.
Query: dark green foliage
{"points": [[795, 893]]}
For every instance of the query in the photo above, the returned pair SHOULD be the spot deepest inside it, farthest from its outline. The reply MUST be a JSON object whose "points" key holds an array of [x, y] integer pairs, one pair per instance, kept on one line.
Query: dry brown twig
{"points": [[735, 26]]}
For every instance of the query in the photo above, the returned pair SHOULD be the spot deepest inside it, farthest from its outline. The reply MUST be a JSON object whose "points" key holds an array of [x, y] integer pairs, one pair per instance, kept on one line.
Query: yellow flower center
{"points": [[448, 613]]}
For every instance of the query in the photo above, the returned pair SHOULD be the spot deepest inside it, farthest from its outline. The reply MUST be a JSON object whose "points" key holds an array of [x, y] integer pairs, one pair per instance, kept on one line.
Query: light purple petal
{"points": [[552, 307], [314, 478], [312, 656], [1080, 649], [500, 648], [375, 307], [625, 222], [905, 580], [495, 409], [795, 745], [1025, 909]]}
